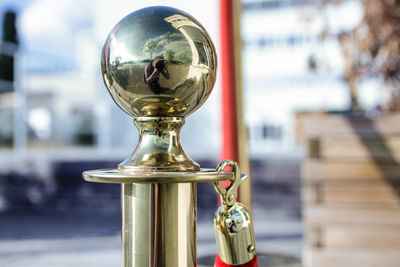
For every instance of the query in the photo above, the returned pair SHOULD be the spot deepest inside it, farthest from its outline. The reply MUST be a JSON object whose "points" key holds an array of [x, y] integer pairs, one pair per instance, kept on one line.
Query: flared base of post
{"points": [[159, 225], [159, 147]]}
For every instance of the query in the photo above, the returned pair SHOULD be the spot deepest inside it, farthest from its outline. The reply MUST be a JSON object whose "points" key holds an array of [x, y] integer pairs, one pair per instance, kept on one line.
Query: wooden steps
{"points": [[350, 190]]}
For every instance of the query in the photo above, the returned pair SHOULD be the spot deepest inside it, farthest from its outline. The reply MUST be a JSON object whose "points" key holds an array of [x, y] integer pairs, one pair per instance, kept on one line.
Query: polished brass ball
{"points": [[159, 61]]}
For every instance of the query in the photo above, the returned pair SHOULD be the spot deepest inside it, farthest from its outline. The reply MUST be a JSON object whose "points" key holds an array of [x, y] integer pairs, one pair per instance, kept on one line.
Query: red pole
{"points": [[230, 146], [234, 129], [229, 120]]}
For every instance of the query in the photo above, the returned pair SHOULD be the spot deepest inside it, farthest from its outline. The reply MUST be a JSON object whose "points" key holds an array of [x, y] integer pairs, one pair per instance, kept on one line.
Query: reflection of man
{"points": [[152, 74]]}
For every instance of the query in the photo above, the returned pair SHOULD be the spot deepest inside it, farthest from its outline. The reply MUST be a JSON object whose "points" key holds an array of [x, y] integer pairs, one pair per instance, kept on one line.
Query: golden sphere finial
{"points": [[159, 61]]}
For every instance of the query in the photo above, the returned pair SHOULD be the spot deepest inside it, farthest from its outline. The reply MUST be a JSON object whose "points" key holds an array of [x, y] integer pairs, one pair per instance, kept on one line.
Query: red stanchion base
{"points": [[220, 263]]}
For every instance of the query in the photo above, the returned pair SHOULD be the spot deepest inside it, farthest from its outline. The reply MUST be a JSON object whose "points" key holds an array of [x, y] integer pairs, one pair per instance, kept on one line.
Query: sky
{"points": [[50, 30]]}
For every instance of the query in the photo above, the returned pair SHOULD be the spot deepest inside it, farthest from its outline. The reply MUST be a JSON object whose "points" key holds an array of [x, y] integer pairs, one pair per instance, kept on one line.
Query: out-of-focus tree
{"points": [[8, 46], [152, 46], [372, 49], [170, 55]]}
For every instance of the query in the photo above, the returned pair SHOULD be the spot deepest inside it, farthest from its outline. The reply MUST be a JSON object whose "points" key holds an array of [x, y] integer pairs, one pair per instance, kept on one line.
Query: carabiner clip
{"points": [[228, 194], [233, 224]]}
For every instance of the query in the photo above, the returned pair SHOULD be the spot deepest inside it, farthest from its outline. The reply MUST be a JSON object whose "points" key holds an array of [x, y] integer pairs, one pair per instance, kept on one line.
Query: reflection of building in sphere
{"points": [[199, 48]]}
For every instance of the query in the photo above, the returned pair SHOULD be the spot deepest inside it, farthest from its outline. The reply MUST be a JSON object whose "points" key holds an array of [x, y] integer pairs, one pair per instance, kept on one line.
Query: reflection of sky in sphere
{"points": [[152, 38]]}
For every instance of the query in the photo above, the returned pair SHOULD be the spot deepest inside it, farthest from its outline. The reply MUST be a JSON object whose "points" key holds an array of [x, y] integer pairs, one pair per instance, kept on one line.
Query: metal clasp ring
{"points": [[229, 194]]}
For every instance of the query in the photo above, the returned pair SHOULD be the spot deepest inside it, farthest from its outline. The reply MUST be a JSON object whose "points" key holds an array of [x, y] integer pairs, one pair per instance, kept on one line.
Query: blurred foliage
{"points": [[9, 27], [6, 68], [85, 135], [371, 49], [8, 46]]}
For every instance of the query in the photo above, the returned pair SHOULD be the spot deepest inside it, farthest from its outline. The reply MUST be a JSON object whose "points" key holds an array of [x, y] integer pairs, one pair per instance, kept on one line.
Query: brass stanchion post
{"points": [[159, 66]]}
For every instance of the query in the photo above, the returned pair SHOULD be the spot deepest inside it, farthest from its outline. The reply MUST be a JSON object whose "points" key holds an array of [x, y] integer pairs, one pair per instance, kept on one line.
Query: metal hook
{"points": [[229, 194]]}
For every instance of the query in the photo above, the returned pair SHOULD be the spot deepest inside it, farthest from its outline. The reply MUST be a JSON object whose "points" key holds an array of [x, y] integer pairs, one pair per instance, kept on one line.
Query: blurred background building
{"points": [[63, 102], [57, 119]]}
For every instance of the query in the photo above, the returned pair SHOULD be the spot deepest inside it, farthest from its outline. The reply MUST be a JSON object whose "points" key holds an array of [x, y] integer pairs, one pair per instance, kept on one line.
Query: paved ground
{"points": [[63, 235], [59, 240]]}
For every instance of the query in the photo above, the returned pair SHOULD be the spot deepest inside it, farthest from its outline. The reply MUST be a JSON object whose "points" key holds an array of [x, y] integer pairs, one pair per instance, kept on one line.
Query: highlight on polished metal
{"points": [[159, 147], [115, 176], [159, 61]]}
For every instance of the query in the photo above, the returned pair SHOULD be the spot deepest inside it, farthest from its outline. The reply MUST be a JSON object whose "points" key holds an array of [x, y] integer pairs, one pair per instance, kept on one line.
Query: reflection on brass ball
{"points": [[159, 61]]}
